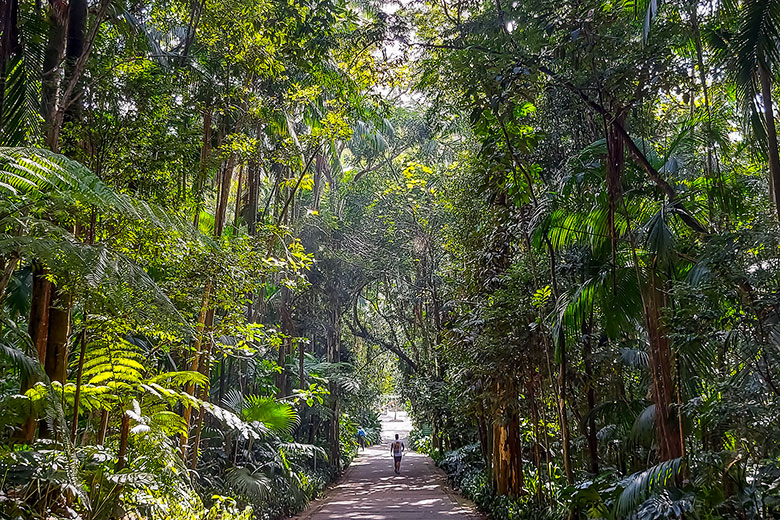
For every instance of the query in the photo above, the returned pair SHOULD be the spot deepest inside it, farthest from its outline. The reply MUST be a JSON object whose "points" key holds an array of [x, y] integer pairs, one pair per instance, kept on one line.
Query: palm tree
{"points": [[753, 54]]}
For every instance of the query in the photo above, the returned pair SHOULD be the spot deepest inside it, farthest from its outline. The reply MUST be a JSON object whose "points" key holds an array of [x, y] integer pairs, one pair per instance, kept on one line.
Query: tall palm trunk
{"points": [[52, 57], [663, 389], [590, 383], [563, 368], [57, 340], [334, 356], [38, 329], [9, 45], [771, 136], [195, 362]]}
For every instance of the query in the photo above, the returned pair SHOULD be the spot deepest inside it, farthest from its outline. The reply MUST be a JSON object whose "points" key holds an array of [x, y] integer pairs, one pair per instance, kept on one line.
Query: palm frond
{"points": [[252, 484], [275, 415], [307, 450], [21, 119], [641, 485], [643, 430]]}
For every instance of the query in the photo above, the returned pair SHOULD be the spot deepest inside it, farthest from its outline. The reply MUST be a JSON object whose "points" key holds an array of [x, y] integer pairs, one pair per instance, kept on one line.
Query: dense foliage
{"points": [[170, 347], [609, 282], [227, 227]]}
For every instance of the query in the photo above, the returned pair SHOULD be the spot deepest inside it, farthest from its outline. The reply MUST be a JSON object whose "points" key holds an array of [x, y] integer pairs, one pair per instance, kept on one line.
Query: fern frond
{"points": [[36, 174], [113, 363], [182, 378]]}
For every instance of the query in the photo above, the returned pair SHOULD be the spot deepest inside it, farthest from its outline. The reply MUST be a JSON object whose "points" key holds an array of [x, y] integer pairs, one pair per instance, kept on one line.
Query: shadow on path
{"points": [[370, 490]]}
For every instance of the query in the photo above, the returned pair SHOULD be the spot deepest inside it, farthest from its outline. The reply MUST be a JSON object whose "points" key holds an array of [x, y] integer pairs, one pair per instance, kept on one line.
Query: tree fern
{"points": [[119, 278], [22, 359], [37, 174], [115, 363]]}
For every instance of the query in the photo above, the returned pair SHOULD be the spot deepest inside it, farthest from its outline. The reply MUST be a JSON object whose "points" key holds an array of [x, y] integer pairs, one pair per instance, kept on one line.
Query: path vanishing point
{"points": [[369, 490]]}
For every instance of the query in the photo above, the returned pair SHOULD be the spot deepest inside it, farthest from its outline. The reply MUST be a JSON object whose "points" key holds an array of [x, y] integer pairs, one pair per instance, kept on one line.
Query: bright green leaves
{"points": [[275, 415], [114, 363], [314, 393], [541, 297]]}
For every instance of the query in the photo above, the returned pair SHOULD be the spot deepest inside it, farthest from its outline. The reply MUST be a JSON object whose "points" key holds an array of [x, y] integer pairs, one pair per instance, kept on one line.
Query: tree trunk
{"points": [[77, 26], [38, 325], [663, 391], [507, 446], [79, 372], [195, 362], [237, 211], [52, 57], [103, 428], [771, 137], [8, 265], [562, 414], [562, 375], [288, 331], [200, 177], [301, 359], [123, 436], [587, 359], [484, 441], [253, 187], [90, 238], [227, 178], [205, 366], [57, 342], [334, 355], [9, 46], [208, 322], [615, 161], [531, 393], [38, 328]]}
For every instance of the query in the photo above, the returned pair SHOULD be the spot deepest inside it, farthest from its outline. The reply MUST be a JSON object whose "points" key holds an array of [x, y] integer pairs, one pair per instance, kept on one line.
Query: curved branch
{"points": [[360, 331]]}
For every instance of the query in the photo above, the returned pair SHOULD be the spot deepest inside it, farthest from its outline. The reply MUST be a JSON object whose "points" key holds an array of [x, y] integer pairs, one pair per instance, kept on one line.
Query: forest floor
{"points": [[369, 490]]}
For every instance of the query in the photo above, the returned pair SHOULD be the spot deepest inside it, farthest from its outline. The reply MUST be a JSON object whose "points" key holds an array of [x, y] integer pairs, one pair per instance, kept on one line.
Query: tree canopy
{"points": [[229, 227]]}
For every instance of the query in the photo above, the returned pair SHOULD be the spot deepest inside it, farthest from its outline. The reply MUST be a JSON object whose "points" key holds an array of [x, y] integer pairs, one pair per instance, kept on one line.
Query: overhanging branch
{"points": [[360, 331]]}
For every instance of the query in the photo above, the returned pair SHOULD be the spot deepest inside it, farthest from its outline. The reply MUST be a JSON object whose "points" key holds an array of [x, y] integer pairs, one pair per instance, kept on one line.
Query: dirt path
{"points": [[371, 491]]}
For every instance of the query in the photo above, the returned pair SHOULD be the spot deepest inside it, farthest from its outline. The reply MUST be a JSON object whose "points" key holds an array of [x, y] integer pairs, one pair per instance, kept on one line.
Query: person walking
{"points": [[397, 449], [361, 435]]}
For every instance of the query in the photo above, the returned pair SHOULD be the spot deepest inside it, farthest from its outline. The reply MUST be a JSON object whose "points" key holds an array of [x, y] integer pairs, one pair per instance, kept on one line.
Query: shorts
{"points": [[397, 458]]}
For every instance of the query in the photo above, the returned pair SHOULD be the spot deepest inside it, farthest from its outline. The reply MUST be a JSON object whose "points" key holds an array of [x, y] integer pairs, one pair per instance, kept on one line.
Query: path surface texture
{"points": [[370, 490]]}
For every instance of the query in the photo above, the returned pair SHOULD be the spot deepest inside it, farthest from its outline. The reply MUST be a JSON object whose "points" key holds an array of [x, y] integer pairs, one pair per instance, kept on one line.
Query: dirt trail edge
{"points": [[370, 490]]}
